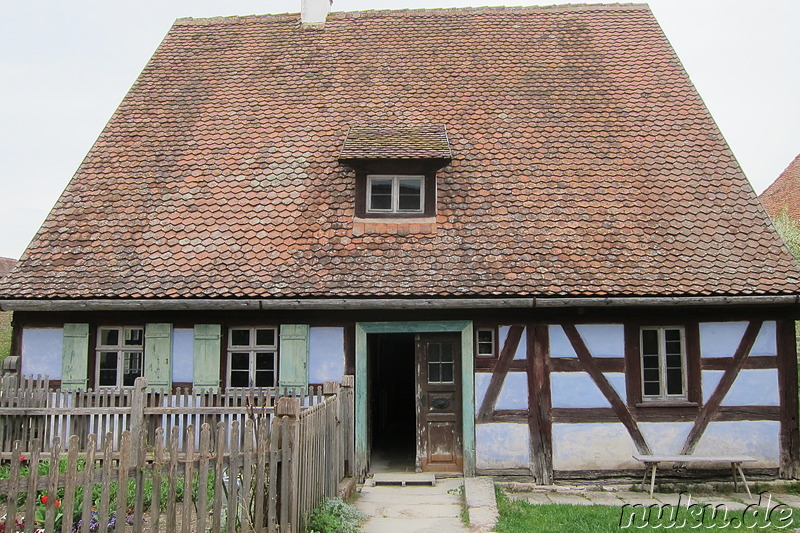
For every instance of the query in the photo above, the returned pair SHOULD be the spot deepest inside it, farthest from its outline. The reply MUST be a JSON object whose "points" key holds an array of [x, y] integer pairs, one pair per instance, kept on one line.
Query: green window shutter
{"points": [[75, 357], [293, 356], [206, 355], [158, 355]]}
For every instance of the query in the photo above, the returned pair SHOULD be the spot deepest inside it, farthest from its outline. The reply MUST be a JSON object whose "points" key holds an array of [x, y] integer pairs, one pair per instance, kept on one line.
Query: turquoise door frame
{"points": [[467, 381]]}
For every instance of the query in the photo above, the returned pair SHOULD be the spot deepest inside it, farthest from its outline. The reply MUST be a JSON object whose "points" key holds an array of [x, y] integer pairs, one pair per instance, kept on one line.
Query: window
{"points": [[484, 341], [395, 194], [120, 356], [663, 363], [252, 357], [441, 367]]}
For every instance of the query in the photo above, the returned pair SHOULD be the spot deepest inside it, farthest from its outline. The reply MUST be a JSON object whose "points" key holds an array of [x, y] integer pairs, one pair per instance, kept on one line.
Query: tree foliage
{"points": [[789, 230]]}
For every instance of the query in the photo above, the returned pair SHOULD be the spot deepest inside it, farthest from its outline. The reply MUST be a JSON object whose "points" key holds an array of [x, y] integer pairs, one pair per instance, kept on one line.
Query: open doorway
{"points": [[392, 402]]}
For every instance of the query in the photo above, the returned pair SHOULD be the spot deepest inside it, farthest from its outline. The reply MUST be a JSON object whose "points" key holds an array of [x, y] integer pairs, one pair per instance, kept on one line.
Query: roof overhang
{"points": [[338, 304]]}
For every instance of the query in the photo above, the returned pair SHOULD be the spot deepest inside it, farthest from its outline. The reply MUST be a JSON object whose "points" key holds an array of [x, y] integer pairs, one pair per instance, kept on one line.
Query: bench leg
{"points": [[733, 471], [744, 479], [654, 466], [646, 471]]}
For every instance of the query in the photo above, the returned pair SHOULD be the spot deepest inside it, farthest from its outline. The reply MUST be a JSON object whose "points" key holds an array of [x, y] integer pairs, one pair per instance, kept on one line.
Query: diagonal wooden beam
{"points": [[619, 407], [499, 374], [711, 408]]}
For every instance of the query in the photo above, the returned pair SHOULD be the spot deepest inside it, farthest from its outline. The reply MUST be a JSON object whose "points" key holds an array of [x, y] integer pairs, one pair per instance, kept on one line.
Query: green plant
{"points": [[789, 230], [334, 516]]}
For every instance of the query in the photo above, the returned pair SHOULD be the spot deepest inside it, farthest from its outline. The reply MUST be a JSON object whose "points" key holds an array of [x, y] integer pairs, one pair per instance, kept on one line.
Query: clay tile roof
{"points": [[784, 193], [584, 163], [396, 142], [6, 265]]}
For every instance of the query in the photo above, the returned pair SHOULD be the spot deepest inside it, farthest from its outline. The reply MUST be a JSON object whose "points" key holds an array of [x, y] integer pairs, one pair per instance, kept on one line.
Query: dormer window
{"points": [[395, 176], [395, 194]]}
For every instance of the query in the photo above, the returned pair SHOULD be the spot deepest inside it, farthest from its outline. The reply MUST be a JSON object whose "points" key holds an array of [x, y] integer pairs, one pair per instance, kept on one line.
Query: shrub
{"points": [[335, 516]]}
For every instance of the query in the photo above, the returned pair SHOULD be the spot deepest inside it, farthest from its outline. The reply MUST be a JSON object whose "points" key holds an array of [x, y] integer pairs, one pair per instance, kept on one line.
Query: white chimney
{"points": [[314, 11]]}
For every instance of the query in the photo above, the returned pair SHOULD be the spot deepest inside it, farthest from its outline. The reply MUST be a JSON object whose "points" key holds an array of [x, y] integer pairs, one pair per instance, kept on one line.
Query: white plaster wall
{"points": [[592, 447], [762, 380], [514, 394], [720, 339], [325, 355], [502, 445], [183, 354], [757, 438], [41, 352], [577, 389]]}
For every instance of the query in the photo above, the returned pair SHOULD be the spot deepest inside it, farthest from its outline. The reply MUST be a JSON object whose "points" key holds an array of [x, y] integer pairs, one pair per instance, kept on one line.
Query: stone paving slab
{"points": [[405, 525], [410, 499], [792, 500], [535, 498], [603, 498], [402, 509], [568, 499]]}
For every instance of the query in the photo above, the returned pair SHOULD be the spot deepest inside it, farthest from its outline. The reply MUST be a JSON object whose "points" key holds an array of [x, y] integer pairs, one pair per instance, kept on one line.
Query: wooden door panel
{"points": [[439, 443]]}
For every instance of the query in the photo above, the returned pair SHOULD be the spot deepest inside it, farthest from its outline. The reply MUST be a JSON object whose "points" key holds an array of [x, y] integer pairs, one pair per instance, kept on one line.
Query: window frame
{"points": [[493, 331], [395, 194], [252, 349], [121, 349], [664, 396]]}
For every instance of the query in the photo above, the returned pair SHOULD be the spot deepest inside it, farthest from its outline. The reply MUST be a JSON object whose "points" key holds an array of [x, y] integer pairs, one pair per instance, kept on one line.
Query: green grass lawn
{"points": [[522, 517]]}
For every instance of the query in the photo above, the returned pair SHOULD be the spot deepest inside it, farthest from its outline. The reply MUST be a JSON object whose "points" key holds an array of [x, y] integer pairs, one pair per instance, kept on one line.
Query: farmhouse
{"points": [[519, 228]]}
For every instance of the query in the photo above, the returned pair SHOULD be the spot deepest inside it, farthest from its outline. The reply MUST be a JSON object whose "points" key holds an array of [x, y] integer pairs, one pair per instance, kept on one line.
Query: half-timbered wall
{"points": [[554, 396]]}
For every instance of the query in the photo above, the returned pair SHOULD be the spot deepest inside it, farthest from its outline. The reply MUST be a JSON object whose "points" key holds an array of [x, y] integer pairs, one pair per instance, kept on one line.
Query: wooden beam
{"points": [[619, 407], [721, 363], [605, 415], [573, 364], [787, 387], [500, 371], [539, 403], [710, 409]]}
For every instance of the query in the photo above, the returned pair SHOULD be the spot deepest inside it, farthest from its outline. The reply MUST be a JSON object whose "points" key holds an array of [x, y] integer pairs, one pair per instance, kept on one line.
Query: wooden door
{"points": [[439, 442]]}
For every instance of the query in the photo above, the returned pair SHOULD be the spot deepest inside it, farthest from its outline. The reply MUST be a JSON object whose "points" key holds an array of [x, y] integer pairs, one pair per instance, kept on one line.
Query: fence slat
{"points": [[270, 456]]}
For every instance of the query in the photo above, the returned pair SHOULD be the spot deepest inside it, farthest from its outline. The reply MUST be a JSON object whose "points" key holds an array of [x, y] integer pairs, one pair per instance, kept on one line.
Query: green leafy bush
{"points": [[335, 516]]}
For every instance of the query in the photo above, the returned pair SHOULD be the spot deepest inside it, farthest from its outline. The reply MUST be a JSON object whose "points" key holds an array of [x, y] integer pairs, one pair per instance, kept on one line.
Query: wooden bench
{"points": [[651, 464]]}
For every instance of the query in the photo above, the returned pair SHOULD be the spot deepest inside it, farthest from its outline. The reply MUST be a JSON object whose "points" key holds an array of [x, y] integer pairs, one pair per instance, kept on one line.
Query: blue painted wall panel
{"points": [[759, 439], [575, 389], [481, 384], [514, 394], [522, 348], [502, 446], [720, 339], [559, 343], [592, 447], [41, 352], [603, 340], [325, 354], [757, 386]]}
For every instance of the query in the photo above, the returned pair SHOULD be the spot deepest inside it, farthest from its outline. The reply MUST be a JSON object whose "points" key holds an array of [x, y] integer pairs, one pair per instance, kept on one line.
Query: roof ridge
{"points": [[443, 11]]}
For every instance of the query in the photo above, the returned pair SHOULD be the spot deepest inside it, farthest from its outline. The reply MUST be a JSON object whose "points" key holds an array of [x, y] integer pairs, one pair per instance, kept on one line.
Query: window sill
{"points": [[668, 403], [394, 226]]}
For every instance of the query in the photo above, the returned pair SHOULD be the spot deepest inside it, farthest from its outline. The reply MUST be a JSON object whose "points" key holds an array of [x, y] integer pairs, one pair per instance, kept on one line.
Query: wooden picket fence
{"points": [[30, 409], [263, 475]]}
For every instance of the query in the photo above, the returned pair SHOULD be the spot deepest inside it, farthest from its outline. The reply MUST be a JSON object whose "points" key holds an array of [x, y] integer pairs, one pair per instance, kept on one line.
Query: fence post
{"points": [[287, 413], [137, 415], [348, 426]]}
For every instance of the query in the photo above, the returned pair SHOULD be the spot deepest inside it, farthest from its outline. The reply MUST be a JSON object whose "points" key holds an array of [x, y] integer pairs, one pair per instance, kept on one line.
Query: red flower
{"points": [[23, 458], [58, 503], [44, 500]]}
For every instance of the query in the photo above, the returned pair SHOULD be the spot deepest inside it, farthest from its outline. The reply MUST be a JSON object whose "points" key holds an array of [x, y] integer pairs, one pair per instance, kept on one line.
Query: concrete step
{"points": [[418, 525], [404, 478]]}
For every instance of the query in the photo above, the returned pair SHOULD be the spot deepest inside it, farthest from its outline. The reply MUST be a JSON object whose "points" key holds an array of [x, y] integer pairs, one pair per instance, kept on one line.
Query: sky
{"points": [[65, 65]]}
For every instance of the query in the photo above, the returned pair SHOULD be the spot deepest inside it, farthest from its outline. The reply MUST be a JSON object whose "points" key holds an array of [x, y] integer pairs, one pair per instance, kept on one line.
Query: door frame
{"points": [[464, 327]]}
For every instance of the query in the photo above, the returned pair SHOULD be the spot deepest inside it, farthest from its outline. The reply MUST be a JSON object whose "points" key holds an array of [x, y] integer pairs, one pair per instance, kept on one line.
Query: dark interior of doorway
{"points": [[392, 395]]}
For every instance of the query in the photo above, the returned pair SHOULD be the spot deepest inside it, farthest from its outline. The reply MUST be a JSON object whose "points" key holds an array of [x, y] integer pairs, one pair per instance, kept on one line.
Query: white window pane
{"points": [[109, 337], [240, 337]]}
